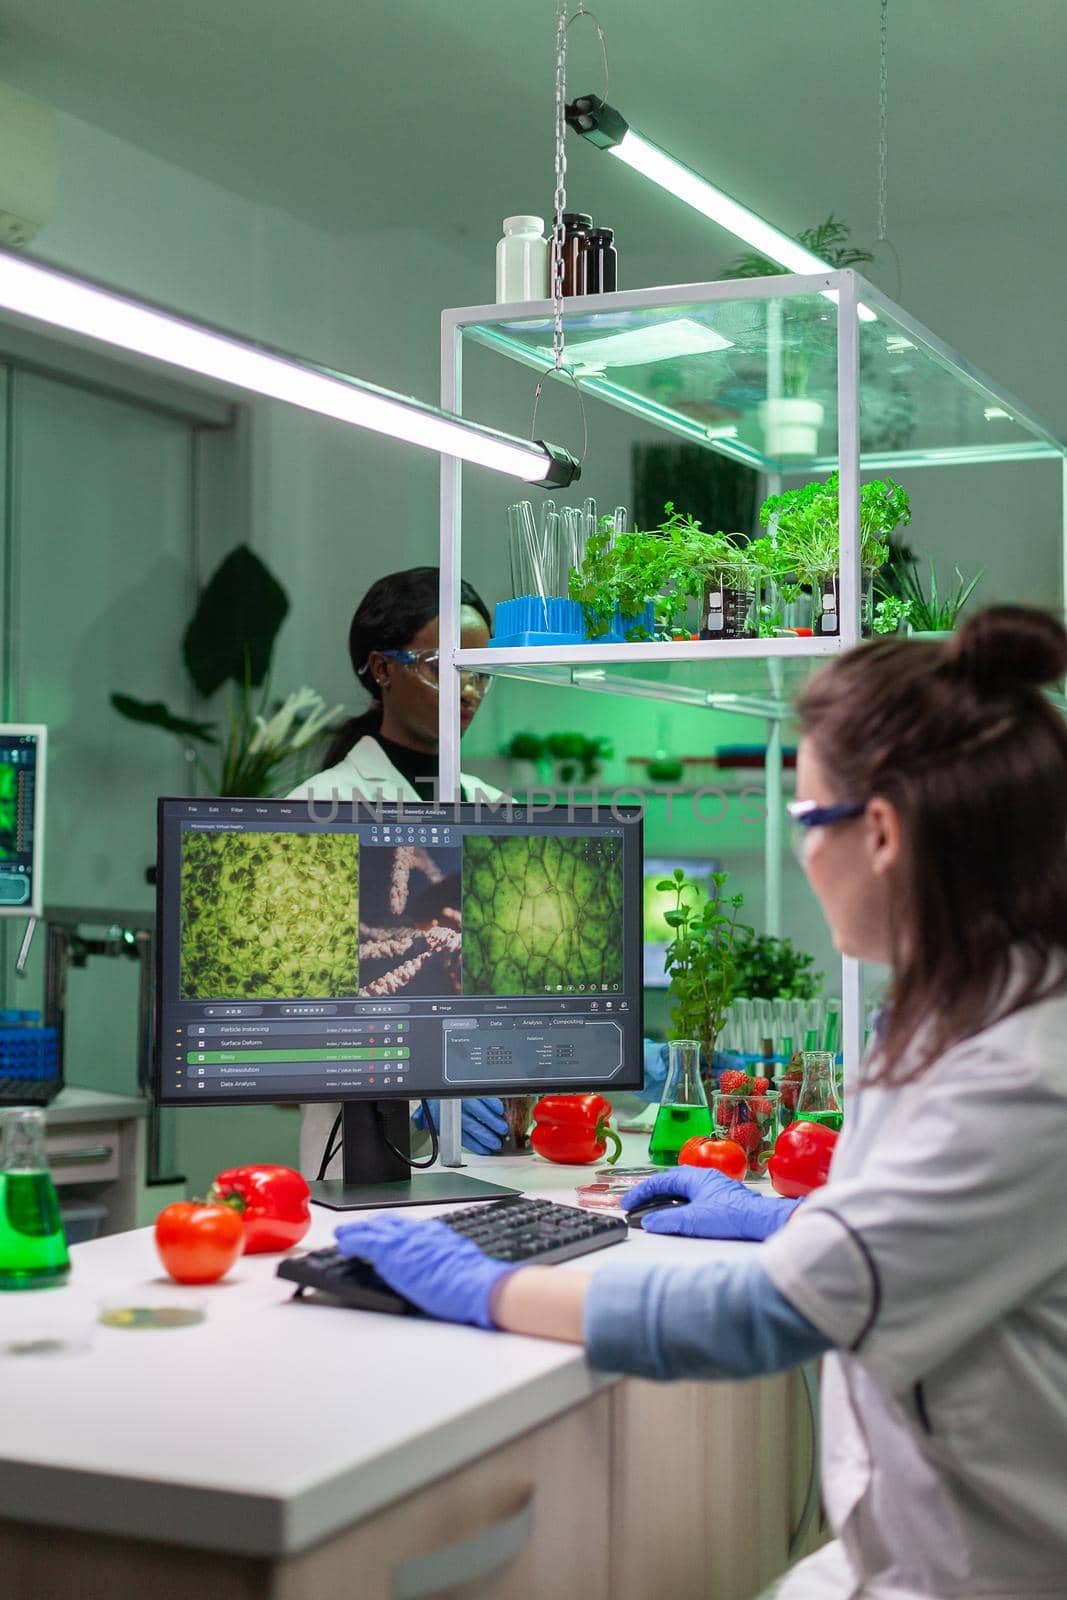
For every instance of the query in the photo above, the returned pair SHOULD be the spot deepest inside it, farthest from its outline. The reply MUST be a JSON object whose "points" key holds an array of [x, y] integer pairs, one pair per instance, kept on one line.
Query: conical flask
{"points": [[33, 1249], [819, 1100], [683, 1110]]}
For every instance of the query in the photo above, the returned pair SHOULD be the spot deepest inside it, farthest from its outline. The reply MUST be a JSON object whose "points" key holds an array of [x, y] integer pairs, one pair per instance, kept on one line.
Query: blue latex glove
{"points": [[655, 1063], [719, 1207], [657, 1060], [437, 1268], [482, 1125]]}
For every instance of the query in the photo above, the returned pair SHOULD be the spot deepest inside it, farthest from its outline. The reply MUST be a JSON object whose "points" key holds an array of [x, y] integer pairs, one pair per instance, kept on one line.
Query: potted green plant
{"points": [[263, 744], [791, 420], [576, 757], [732, 594], [807, 531], [525, 751], [767, 967], [927, 615], [669, 566], [700, 959]]}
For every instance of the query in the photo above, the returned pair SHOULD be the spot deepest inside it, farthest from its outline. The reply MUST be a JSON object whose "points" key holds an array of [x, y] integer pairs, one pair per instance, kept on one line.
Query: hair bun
{"points": [[1009, 647]]}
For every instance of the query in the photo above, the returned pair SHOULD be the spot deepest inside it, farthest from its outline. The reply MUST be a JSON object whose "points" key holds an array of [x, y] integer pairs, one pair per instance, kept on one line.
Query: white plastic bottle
{"points": [[522, 260]]}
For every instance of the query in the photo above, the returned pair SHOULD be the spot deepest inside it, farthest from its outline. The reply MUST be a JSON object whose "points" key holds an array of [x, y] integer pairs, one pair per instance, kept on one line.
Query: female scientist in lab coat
{"points": [[932, 1267], [390, 753]]}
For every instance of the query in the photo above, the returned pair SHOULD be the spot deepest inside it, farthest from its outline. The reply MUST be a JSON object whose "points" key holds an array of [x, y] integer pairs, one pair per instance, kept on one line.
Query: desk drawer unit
{"points": [[85, 1153]]}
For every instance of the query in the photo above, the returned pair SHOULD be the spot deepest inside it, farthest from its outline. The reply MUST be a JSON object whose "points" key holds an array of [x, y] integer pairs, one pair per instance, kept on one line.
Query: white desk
{"points": [[281, 1449]]}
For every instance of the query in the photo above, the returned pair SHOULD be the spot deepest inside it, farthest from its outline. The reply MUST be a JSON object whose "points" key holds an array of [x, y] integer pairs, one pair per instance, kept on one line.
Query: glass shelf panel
{"points": [[703, 362], [757, 678]]}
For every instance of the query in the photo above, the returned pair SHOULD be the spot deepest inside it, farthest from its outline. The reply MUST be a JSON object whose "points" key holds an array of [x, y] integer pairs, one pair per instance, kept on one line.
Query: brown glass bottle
{"points": [[603, 273], [576, 225]]}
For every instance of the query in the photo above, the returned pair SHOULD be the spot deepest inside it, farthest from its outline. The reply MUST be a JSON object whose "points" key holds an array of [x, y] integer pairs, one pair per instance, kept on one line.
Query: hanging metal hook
{"points": [[583, 11], [563, 372]]}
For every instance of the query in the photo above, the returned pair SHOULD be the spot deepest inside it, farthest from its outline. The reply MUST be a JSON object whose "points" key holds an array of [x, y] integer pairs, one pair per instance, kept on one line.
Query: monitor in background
{"points": [[378, 954], [658, 901], [22, 756]]}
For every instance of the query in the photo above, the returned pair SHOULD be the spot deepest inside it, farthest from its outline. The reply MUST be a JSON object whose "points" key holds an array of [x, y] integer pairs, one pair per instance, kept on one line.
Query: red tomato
{"points": [[198, 1243], [725, 1154]]}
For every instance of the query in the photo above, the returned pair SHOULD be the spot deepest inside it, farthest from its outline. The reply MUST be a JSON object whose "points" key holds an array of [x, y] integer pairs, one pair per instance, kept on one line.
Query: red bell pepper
{"points": [[573, 1129], [801, 1159], [273, 1202]]}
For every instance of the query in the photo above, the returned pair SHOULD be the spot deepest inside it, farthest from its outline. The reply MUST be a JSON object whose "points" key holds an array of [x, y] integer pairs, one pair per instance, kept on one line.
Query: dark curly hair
{"points": [[387, 618]]}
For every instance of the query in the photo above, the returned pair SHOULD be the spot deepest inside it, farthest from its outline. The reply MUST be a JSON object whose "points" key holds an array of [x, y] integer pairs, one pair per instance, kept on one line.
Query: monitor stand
{"points": [[375, 1176]]}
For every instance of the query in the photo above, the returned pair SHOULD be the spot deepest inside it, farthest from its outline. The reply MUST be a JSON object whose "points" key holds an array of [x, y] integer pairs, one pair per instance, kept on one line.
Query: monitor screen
{"points": [[22, 747], [320, 951], [658, 933]]}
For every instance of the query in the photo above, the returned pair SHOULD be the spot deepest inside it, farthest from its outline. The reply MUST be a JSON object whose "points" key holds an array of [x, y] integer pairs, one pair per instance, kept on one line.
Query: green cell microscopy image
{"points": [[541, 914], [269, 915], [9, 789]]}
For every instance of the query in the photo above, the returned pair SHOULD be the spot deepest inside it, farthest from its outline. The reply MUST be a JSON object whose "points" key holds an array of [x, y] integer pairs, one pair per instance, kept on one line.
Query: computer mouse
{"points": [[656, 1202]]}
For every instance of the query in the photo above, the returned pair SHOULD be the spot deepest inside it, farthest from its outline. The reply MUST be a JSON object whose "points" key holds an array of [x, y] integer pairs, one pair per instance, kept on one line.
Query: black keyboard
{"points": [[534, 1231]]}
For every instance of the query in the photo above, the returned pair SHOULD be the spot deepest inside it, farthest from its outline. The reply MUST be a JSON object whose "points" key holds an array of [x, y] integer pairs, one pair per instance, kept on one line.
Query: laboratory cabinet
{"points": [[646, 1489], [280, 1451]]}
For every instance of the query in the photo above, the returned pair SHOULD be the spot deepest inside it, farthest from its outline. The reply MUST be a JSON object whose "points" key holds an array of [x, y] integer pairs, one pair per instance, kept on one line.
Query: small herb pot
{"points": [[937, 634], [791, 425], [731, 606], [826, 605]]}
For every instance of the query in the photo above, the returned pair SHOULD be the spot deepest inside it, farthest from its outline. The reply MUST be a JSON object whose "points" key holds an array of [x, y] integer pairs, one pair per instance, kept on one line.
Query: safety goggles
{"points": [[804, 815], [426, 665]]}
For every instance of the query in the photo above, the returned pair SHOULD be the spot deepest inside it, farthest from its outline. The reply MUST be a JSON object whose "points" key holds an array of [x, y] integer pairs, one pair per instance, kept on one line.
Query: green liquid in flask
{"points": [[825, 1119], [674, 1125], [33, 1249]]}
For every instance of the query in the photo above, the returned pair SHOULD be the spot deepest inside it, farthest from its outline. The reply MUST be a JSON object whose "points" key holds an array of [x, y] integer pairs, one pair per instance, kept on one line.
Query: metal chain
{"points": [[559, 206], [883, 123], [559, 199]]}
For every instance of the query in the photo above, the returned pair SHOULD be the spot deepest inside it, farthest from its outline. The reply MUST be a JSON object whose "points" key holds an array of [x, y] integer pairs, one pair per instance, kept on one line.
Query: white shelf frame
{"points": [[587, 662]]}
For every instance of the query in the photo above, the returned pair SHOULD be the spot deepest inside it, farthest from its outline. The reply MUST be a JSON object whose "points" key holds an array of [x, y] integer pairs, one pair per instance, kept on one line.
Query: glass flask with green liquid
{"points": [[683, 1110], [33, 1249], [819, 1100]]}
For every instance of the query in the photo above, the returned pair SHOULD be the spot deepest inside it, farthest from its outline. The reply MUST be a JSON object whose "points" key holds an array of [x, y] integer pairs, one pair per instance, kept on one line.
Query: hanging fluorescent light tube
{"points": [[606, 128], [61, 300]]}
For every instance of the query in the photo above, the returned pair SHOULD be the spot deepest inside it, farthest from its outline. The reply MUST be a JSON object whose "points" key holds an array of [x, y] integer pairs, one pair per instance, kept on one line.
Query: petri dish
{"points": [[138, 1310]]}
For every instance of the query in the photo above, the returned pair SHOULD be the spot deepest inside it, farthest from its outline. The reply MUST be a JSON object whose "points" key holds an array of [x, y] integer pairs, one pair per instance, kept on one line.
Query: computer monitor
{"points": [[378, 954], [658, 933], [22, 755]]}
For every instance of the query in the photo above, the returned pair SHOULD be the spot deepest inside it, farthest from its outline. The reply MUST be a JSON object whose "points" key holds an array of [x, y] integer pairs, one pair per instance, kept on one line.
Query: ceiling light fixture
{"points": [[60, 300], [608, 129]]}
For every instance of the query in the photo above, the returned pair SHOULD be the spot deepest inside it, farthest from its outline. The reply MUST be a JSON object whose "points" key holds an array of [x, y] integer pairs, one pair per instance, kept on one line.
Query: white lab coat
{"points": [[365, 773], [936, 1260]]}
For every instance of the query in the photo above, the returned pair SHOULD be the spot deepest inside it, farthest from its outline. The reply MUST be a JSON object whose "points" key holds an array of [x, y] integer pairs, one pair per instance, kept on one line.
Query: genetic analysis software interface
{"points": [[405, 951]]}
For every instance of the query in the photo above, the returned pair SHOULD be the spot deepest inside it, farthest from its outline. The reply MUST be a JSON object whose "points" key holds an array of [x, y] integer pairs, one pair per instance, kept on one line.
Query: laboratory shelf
{"points": [[730, 366], [702, 360], [750, 677]]}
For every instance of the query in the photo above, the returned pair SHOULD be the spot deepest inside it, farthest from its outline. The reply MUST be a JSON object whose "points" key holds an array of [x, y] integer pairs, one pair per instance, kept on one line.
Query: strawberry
{"points": [[747, 1135], [760, 1085], [758, 1105], [732, 1082]]}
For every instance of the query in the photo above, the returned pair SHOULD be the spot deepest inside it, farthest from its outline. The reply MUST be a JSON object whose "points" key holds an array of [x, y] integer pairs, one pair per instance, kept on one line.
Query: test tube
{"points": [[832, 1027]]}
